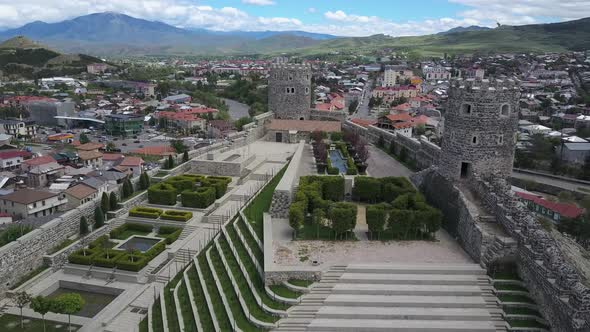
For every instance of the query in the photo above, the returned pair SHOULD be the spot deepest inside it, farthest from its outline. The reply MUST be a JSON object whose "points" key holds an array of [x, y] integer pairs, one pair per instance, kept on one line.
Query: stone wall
{"points": [[289, 91], [329, 115], [553, 282], [421, 151], [281, 198]]}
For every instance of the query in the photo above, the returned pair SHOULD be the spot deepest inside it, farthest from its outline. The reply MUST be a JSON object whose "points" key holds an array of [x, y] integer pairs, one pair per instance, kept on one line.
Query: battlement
{"points": [[290, 66], [474, 85]]}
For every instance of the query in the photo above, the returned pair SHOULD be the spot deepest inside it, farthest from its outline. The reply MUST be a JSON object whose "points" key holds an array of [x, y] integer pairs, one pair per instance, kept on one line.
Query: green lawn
{"points": [[157, 322], [254, 211], [201, 302], [300, 283], [135, 193], [515, 298], [506, 275], [11, 323], [171, 317], [230, 295], [510, 287], [509, 310], [222, 318], [525, 323], [124, 235], [321, 232], [250, 240], [186, 308]]}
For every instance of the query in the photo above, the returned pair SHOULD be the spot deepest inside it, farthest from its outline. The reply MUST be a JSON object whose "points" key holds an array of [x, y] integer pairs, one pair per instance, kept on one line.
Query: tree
{"points": [[376, 218], [241, 122], [352, 107], [84, 138], [342, 217], [104, 202], [113, 202], [403, 154], [381, 141], [420, 129], [21, 299], [170, 162], [98, 217], [110, 146], [392, 147], [144, 181], [69, 304], [185, 157], [178, 146], [83, 226], [42, 306], [317, 217]]}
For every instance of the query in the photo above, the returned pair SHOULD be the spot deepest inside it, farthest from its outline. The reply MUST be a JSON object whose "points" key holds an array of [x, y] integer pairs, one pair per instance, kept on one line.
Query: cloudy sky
{"points": [[339, 17]]}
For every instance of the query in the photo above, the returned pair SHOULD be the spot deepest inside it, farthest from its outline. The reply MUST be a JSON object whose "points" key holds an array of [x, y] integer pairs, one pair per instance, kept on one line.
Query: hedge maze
{"points": [[196, 191]]}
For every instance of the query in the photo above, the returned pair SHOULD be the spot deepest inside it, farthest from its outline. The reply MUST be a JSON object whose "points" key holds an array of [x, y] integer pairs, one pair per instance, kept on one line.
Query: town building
{"points": [[177, 99], [44, 112], [124, 125], [389, 94], [552, 210], [19, 127], [11, 160], [132, 164], [91, 159], [96, 68], [80, 194], [292, 131], [26, 203], [575, 153], [396, 75], [436, 73], [289, 94]]}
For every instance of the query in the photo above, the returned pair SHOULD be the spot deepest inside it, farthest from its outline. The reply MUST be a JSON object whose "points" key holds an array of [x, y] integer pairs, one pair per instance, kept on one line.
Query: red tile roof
{"points": [[565, 210], [111, 156], [156, 150], [14, 154], [364, 122], [90, 146], [39, 161], [305, 125], [131, 161], [399, 117]]}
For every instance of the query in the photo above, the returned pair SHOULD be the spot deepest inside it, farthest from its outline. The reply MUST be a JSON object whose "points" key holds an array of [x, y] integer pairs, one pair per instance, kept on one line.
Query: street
{"points": [[381, 164]]}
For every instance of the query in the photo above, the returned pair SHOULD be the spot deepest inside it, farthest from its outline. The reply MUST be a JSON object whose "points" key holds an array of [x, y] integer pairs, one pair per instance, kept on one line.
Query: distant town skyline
{"points": [[343, 18]]}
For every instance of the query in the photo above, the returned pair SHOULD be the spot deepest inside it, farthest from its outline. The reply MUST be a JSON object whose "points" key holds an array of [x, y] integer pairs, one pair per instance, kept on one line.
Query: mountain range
{"points": [[112, 34]]}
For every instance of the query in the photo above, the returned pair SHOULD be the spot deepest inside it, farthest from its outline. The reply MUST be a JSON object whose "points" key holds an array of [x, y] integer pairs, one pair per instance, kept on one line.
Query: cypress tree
{"points": [[185, 157], [130, 185], [113, 202], [83, 226], [104, 201], [170, 162], [98, 217]]}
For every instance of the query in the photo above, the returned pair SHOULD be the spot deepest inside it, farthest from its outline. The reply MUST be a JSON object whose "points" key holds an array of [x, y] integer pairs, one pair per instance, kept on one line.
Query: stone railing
{"points": [[284, 192]]}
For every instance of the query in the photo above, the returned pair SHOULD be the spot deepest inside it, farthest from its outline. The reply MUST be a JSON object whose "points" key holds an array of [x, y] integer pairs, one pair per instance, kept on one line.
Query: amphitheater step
{"points": [[362, 325], [462, 269], [415, 279], [396, 289], [405, 301], [471, 314]]}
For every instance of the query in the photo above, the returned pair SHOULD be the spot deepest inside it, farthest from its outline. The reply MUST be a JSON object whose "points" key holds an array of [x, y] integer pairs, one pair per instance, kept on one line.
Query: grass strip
{"points": [[250, 240], [300, 282], [157, 322], [510, 310], [230, 295], [515, 298], [201, 302], [173, 325], [222, 317], [253, 272], [186, 309], [243, 284], [509, 287]]}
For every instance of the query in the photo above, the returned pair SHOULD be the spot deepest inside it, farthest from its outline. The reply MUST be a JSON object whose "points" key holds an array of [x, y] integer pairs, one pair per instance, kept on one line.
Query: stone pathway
{"points": [[361, 228]]}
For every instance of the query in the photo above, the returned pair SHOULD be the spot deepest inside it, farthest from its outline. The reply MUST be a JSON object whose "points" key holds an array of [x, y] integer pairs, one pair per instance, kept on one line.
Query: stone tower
{"points": [[289, 91], [480, 128]]}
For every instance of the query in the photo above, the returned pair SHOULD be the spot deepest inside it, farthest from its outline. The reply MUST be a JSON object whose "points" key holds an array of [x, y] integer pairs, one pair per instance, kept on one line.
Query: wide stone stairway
{"points": [[392, 297]]}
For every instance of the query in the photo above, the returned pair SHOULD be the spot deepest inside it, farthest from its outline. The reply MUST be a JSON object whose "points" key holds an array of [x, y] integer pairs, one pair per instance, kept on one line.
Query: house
{"points": [[96, 68], [389, 94], [10, 160], [5, 218], [34, 162], [162, 150], [80, 194], [90, 147], [177, 99], [41, 175], [576, 153], [27, 203], [182, 120], [394, 75], [133, 164], [112, 159], [96, 183], [18, 127], [553, 210], [436, 73], [91, 159], [220, 128], [401, 123]]}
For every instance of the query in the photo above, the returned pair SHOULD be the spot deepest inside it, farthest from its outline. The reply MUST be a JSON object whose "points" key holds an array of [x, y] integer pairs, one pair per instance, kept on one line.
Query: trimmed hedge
{"points": [[182, 182], [219, 183], [176, 215], [170, 234], [145, 212], [100, 258], [366, 189], [140, 261], [77, 257], [162, 193], [199, 198], [114, 234], [120, 259], [333, 188]]}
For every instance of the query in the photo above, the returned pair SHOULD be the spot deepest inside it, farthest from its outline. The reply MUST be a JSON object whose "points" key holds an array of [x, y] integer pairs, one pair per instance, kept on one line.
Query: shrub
{"points": [[124, 262], [145, 212], [331, 170], [177, 215], [98, 242], [113, 202], [162, 193], [219, 183], [106, 257], [342, 216], [13, 232], [333, 188], [336, 136], [392, 187], [199, 198], [77, 257], [366, 189], [116, 233], [170, 234], [181, 182], [155, 250], [351, 167], [98, 217], [296, 215], [376, 217]]}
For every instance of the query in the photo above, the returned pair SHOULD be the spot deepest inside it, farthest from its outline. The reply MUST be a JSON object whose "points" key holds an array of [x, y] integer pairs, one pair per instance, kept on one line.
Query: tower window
{"points": [[290, 77], [306, 91], [474, 140], [500, 139], [505, 110], [466, 109]]}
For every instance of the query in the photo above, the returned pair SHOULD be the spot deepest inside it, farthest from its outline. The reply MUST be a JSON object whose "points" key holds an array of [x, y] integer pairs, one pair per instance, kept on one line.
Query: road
{"points": [[381, 164], [363, 110], [573, 186], [236, 109]]}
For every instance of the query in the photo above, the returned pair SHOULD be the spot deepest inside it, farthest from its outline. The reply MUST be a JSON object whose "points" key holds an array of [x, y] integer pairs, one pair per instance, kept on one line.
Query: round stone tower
{"points": [[289, 91], [480, 128]]}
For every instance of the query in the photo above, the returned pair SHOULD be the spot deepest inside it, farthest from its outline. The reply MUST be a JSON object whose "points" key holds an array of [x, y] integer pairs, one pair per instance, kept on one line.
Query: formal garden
{"points": [[128, 247], [155, 213], [225, 289], [196, 191], [394, 209], [67, 303], [340, 154]]}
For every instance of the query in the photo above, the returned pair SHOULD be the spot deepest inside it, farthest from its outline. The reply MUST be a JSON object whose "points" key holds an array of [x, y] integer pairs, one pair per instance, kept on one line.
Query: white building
{"points": [[436, 73]]}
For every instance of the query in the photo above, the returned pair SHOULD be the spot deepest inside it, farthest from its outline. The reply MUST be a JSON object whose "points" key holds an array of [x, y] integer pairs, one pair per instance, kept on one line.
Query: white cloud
{"points": [[311, 10], [259, 2]]}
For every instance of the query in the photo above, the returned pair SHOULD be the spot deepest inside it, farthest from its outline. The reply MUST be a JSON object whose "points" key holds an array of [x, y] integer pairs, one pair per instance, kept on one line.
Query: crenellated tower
{"points": [[289, 91]]}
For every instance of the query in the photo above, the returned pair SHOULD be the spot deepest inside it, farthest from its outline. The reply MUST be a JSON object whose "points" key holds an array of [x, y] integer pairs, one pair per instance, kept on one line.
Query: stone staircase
{"points": [[391, 297], [188, 230]]}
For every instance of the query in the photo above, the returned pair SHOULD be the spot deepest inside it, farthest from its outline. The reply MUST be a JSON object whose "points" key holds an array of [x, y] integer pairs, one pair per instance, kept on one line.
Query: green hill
{"points": [[555, 37], [21, 57]]}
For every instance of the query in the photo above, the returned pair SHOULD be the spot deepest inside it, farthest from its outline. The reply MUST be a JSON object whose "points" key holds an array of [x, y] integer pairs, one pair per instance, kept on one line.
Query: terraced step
{"points": [[410, 279], [393, 313], [397, 289], [462, 269], [364, 325], [405, 301]]}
